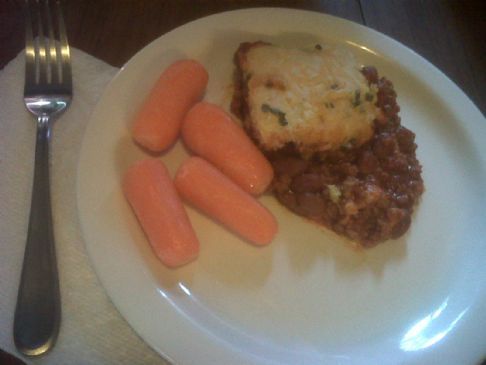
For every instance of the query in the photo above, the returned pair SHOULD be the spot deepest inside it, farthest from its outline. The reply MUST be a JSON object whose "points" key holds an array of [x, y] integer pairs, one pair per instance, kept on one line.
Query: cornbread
{"points": [[316, 99]]}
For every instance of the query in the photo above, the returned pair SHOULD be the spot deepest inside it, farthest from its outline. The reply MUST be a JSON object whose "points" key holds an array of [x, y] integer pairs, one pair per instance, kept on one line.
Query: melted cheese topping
{"points": [[317, 99]]}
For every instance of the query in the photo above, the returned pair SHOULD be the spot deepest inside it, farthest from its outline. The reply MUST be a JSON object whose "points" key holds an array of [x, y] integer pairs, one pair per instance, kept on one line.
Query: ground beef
{"points": [[365, 193]]}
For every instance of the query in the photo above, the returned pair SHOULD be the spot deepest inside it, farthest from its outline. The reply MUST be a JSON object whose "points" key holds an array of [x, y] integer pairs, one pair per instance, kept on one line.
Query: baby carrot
{"points": [[211, 133], [158, 121], [153, 197], [209, 190]]}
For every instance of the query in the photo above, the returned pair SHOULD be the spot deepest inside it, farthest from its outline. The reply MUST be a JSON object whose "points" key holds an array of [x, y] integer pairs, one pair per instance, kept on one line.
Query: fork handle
{"points": [[38, 311]]}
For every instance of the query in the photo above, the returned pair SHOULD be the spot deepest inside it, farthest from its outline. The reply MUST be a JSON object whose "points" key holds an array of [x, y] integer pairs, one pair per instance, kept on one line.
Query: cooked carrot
{"points": [[208, 189], [211, 133], [154, 199], [158, 121]]}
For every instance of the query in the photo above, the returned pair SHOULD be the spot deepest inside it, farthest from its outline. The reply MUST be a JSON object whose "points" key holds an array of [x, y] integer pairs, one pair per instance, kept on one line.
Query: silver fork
{"points": [[47, 93]]}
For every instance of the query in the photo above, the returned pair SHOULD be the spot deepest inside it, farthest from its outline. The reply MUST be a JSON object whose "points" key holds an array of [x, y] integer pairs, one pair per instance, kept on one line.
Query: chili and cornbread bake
{"points": [[332, 133]]}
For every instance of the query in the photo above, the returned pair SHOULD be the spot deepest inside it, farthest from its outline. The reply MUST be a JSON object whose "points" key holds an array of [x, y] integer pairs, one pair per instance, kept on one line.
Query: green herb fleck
{"points": [[349, 144], [357, 98], [368, 96], [334, 86], [329, 105], [278, 113], [318, 47], [334, 193]]}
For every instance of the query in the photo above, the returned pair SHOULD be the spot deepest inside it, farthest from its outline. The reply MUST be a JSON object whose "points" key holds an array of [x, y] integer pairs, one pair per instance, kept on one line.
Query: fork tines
{"points": [[47, 57]]}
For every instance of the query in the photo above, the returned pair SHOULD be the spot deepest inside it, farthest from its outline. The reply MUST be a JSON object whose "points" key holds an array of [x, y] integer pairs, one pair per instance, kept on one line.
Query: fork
{"points": [[47, 93]]}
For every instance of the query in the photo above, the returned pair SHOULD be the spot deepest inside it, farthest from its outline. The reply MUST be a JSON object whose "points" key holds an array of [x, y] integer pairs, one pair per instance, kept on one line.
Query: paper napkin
{"points": [[92, 331]]}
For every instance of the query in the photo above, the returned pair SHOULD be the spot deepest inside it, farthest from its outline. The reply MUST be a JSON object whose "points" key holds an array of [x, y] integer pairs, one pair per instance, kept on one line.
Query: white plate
{"points": [[307, 298]]}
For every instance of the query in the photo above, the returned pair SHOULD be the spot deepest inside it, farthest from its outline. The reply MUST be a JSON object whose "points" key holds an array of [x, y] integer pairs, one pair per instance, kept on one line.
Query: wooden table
{"points": [[450, 34]]}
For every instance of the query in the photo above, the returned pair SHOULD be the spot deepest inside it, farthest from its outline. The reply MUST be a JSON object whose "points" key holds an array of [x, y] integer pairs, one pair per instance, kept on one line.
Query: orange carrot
{"points": [[208, 189], [211, 133], [158, 121], [153, 197]]}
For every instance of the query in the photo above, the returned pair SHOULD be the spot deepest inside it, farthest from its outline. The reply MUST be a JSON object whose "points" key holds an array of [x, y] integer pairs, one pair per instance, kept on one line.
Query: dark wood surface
{"points": [[449, 33]]}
